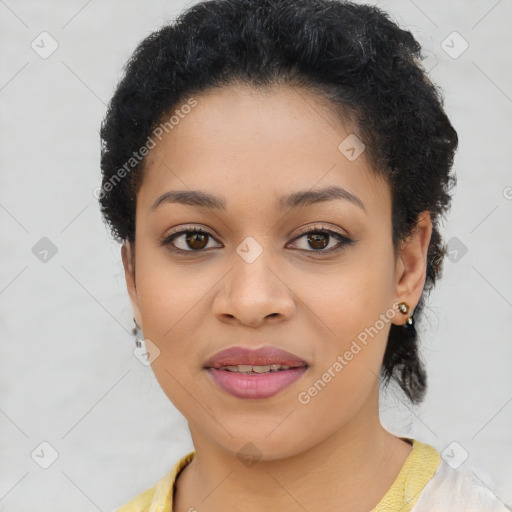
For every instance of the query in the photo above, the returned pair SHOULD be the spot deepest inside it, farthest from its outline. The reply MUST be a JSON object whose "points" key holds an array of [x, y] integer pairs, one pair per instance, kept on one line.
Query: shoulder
{"points": [[458, 490], [160, 496]]}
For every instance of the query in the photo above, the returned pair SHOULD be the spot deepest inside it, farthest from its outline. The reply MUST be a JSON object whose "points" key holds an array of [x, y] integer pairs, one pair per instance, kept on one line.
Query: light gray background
{"points": [[68, 375]]}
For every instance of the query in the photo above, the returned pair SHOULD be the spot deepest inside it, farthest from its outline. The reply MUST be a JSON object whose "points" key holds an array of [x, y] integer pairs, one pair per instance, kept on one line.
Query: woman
{"points": [[276, 171]]}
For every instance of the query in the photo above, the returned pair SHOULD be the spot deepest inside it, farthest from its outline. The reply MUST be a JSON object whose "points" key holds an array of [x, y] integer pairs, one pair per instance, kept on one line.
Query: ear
{"points": [[411, 266], [128, 257]]}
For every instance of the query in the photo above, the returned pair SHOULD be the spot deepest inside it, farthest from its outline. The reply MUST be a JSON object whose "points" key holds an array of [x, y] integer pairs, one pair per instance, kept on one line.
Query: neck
{"points": [[332, 475]]}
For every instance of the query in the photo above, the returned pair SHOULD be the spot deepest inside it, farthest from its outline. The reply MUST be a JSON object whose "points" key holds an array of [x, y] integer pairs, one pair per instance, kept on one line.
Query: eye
{"points": [[188, 240], [193, 239], [320, 238]]}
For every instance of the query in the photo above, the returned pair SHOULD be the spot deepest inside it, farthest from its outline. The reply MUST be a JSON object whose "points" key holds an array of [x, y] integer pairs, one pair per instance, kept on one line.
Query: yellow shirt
{"points": [[418, 469]]}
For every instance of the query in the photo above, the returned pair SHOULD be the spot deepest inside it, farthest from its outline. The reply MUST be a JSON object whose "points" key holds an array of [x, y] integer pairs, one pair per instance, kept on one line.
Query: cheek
{"points": [[344, 301], [169, 295], [348, 355], [351, 308], [173, 301]]}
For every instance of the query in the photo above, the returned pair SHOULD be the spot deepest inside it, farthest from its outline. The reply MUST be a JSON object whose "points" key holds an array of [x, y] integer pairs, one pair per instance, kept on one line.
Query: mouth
{"points": [[257, 369], [255, 373]]}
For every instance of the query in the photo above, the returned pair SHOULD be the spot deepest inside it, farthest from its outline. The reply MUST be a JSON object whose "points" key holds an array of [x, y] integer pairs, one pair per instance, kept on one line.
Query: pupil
{"points": [[316, 241], [196, 237]]}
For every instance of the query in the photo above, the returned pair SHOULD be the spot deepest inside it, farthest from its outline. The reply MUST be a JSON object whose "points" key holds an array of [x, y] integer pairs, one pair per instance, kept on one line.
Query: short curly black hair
{"points": [[351, 55]]}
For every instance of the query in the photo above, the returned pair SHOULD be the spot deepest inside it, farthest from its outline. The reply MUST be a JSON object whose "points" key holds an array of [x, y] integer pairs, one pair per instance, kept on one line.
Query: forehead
{"points": [[252, 145]]}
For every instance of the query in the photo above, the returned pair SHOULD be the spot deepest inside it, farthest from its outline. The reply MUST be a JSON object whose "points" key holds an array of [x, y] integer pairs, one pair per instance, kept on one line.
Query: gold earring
{"points": [[404, 308]]}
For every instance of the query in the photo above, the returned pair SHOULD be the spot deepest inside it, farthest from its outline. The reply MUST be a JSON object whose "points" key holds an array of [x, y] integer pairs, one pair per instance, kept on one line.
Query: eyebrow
{"points": [[298, 199]]}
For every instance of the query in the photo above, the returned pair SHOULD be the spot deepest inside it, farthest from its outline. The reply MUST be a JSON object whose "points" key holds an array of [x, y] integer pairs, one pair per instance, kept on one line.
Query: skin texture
{"points": [[251, 147]]}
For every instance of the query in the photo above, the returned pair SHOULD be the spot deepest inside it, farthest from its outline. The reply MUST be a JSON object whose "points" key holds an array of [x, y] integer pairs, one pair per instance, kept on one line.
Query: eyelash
{"points": [[343, 240]]}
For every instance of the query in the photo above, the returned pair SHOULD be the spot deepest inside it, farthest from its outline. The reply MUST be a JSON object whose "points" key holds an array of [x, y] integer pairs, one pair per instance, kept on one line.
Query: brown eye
{"points": [[197, 240], [189, 240], [318, 241]]}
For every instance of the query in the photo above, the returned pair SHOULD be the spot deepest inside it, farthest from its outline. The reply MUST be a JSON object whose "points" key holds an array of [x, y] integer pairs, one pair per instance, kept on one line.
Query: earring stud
{"points": [[403, 307]]}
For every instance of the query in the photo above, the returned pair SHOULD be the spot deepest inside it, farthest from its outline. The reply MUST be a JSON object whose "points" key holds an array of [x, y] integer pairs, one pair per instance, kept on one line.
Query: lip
{"points": [[257, 357], [263, 385], [249, 385]]}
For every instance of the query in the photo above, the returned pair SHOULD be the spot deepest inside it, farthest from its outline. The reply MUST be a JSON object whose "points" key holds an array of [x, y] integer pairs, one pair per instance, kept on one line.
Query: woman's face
{"points": [[255, 280]]}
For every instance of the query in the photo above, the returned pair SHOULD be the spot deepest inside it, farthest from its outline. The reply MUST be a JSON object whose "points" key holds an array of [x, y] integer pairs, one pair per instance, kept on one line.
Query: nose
{"points": [[252, 293]]}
